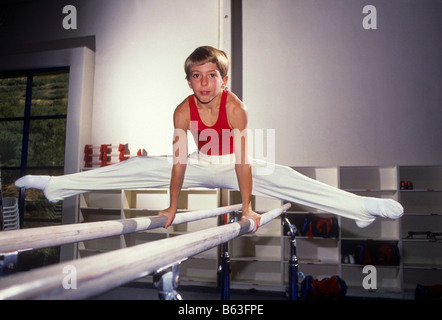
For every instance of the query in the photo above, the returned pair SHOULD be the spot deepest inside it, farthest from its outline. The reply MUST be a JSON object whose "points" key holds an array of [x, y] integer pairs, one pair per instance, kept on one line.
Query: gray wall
{"points": [[342, 95]]}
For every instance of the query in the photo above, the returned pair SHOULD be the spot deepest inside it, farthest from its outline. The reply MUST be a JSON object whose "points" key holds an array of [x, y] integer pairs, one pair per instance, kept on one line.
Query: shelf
{"points": [[377, 266], [256, 272], [99, 214], [392, 191], [363, 239], [422, 177], [406, 240], [311, 238], [256, 248], [422, 190], [101, 199], [422, 253], [256, 259], [421, 214], [315, 250], [259, 286], [414, 276], [380, 229], [368, 178], [196, 225], [422, 267], [316, 270], [318, 261], [199, 270]]}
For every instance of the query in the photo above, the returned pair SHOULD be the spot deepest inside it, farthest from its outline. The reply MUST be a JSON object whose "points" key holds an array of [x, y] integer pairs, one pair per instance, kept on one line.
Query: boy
{"points": [[206, 73], [217, 120]]}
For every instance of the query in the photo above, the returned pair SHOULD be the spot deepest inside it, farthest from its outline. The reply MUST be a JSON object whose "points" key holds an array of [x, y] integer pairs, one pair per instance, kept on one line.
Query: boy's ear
{"points": [[189, 83], [225, 79]]}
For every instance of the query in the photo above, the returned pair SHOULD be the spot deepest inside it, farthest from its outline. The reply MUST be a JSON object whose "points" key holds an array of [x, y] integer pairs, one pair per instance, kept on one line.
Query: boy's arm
{"points": [[243, 167], [179, 164]]}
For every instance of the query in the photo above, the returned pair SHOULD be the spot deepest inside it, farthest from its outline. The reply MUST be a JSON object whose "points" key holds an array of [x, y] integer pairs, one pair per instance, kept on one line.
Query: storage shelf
{"points": [[372, 190], [378, 239], [422, 190], [312, 238], [423, 267], [255, 259], [405, 240], [319, 261], [378, 266]]}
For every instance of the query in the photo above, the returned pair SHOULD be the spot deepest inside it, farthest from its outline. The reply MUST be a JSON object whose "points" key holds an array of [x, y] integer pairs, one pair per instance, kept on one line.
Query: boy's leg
{"points": [[287, 184], [284, 183], [137, 172]]}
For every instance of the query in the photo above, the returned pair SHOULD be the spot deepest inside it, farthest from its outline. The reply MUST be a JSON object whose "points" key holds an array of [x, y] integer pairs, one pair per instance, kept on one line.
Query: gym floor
{"points": [[147, 291]]}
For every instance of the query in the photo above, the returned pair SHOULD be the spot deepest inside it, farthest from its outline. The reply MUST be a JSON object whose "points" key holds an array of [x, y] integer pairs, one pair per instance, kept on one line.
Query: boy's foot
{"points": [[36, 182], [386, 208]]}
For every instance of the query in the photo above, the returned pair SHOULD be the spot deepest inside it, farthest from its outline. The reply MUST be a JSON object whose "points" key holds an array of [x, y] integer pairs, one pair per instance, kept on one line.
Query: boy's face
{"points": [[206, 82]]}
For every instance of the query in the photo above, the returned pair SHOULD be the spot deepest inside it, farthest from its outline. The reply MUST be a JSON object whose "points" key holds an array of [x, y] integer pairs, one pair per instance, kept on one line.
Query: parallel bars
{"points": [[98, 274]]}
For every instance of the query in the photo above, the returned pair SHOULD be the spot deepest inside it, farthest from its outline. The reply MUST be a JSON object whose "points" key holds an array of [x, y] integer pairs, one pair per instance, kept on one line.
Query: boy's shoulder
{"points": [[183, 106], [233, 99], [236, 112], [182, 112], [234, 104]]}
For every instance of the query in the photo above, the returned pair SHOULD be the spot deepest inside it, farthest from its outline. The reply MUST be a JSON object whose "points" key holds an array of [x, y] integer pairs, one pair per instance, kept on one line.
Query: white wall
{"points": [[141, 46], [338, 94]]}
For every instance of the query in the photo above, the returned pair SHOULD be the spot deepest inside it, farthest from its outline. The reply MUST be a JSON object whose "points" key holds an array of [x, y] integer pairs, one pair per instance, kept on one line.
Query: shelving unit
{"points": [[415, 261], [317, 256], [260, 260], [378, 182], [256, 259], [422, 254]]}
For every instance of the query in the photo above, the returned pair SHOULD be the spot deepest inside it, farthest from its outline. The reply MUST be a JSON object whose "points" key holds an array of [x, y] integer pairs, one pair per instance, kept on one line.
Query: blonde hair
{"points": [[204, 54]]}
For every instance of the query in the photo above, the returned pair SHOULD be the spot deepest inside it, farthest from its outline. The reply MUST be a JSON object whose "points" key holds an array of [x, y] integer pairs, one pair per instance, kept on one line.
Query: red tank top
{"points": [[214, 140]]}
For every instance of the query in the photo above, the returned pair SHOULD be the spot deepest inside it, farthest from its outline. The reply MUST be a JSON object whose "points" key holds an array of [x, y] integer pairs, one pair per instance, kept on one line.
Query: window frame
{"points": [[26, 119]]}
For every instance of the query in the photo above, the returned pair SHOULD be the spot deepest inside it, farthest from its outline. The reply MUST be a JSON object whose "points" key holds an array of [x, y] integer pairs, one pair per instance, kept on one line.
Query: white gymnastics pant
{"points": [[269, 180]]}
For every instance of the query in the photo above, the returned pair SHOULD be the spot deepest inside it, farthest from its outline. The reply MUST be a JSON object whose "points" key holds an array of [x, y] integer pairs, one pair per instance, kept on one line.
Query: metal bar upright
{"points": [[225, 265], [293, 261]]}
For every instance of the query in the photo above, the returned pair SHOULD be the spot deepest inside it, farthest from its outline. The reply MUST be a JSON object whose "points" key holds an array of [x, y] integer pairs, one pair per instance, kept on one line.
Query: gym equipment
{"points": [[100, 273]]}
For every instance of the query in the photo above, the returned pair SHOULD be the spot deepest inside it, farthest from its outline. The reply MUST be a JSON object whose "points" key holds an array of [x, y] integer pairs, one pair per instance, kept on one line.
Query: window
{"points": [[33, 111]]}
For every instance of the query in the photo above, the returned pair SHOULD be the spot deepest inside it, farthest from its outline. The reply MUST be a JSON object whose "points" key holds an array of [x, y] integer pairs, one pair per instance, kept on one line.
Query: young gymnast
{"points": [[217, 119]]}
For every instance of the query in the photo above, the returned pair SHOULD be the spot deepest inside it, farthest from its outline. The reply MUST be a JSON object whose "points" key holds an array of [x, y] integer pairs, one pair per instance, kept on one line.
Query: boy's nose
{"points": [[204, 81]]}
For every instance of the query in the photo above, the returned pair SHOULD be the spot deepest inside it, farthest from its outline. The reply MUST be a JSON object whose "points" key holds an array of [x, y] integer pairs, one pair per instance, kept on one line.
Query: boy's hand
{"points": [[169, 214], [254, 216]]}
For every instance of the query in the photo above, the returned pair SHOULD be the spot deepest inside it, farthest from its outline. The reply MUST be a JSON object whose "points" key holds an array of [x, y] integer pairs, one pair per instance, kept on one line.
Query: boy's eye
{"points": [[195, 75], [213, 75]]}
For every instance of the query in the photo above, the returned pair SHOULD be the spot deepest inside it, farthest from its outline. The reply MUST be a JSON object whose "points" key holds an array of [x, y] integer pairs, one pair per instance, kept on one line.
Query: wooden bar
{"points": [[36, 238], [98, 274]]}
